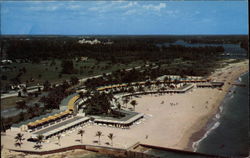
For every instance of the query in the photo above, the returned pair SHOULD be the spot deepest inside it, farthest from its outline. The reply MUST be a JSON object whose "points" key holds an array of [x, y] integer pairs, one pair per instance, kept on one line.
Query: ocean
{"points": [[229, 134]]}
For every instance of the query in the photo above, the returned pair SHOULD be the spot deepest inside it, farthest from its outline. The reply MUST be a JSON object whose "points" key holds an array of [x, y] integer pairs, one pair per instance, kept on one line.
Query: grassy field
{"points": [[48, 71], [11, 101]]}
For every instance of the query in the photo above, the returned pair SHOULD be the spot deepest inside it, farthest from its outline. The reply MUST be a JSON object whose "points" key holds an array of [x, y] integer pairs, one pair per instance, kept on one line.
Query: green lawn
{"points": [[11, 101], [49, 72]]}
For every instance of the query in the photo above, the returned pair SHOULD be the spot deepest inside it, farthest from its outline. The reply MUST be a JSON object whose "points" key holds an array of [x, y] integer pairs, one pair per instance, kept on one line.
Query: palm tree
{"points": [[140, 88], [148, 84], [81, 132], [24, 90], [59, 137], [99, 134], [125, 100], [21, 105], [81, 95], [3, 120], [19, 138], [133, 103], [111, 136], [40, 139], [31, 111], [167, 80], [158, 83], [118, 106]]}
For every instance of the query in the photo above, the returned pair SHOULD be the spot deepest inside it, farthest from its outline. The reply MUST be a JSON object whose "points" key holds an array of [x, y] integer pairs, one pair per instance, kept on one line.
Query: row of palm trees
{"points": [[98, 134], [19, 138], [40, 138], [110, 136]]}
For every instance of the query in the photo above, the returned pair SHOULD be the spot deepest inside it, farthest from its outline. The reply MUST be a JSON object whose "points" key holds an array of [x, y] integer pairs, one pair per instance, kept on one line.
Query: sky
{"points": [[124, 17]]}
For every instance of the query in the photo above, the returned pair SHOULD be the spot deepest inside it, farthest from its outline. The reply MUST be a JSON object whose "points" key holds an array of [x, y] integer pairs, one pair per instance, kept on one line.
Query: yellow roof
{"points": [[35, 123], [66, 112], [31, 124], [39, 121], [99, 89], [71, 102], [45, 119], [51, 117], [57, 115]]}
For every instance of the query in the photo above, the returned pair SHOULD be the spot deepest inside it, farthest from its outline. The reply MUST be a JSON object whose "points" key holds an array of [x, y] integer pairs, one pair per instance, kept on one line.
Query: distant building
{"points": [[83, 41], [84, 58], [6, 61]]}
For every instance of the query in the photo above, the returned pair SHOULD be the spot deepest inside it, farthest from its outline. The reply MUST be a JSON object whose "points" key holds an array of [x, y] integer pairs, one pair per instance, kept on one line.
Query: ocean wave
{"points": [[196, 144], [210, 127], [231, 97], [217, 116], [240, 79], [221, 109]]}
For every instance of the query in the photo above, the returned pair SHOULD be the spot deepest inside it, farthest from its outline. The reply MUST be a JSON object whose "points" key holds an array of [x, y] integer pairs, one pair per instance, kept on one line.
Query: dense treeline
{"points": [[136, 75], [122, 50]]}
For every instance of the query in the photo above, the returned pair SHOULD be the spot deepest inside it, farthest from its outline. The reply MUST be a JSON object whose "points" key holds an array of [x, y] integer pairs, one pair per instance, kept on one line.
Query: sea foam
{"points": [[196, 144]]}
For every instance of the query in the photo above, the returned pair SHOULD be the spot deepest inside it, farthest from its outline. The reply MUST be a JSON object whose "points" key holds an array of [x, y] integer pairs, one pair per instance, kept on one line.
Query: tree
{"points": [[46, 85], [21, 105], [111, 136], [3, 124], [81, 132], [118, 106], [74, 80], [19, 94], [31, 111], [24, 70], [4, 77], [36, 106], [81, 95], [157, 83], [125, 100], [39, 140], [21, 116], [99, 134], [59, 137], [140, 89], [148, 84], [24, 90], [19, 138], [98, 103], [67, 67], [133, 103]]}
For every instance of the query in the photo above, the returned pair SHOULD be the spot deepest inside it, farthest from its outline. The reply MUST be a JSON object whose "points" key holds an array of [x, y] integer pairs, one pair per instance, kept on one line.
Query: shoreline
{"points": [[202, 130]]}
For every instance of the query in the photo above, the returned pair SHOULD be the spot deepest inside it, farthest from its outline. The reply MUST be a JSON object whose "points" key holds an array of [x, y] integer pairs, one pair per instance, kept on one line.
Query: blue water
{"points": [[230, 138], [232, 50]]}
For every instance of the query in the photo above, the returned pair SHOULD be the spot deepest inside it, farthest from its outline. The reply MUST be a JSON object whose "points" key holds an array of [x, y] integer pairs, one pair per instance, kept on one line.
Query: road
{"points": [[15, 93], [80, 80]]}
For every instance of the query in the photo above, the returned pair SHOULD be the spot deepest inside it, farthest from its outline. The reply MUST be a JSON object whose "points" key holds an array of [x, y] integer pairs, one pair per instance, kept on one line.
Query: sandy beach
{"points": [[170, 119]]}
